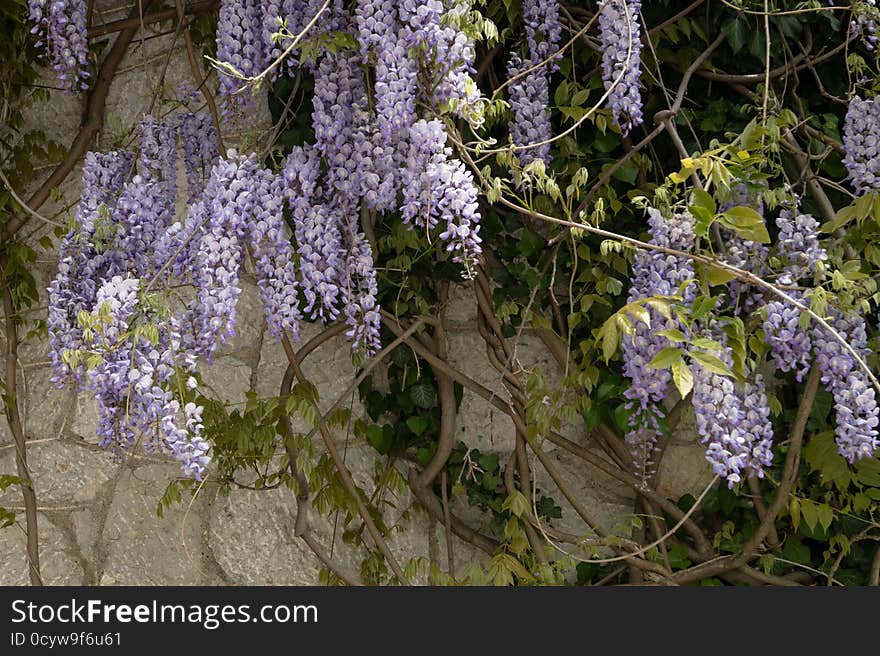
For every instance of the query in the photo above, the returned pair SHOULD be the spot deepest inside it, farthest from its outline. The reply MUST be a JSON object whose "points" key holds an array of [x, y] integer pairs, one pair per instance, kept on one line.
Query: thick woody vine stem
{"points": [[344, 474], [93, 122], [302, 527], [10, 398]]}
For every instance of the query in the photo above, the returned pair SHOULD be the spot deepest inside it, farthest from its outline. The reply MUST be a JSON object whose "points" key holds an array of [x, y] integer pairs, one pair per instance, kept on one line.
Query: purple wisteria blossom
{"points": [[733, 422], [855, 402], [61, 26], [621, 44], [654, 274], [800, 249], [861, 141]]}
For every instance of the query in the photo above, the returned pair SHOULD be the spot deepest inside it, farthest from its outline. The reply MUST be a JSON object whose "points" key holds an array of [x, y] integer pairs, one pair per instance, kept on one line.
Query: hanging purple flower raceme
{"points": [[865, 18], [799, 247], [316, 230], [359, 288], [530, 82], [339, 88], [855, 403], [273, 255], [529, 96], [446, 52], [240, 43], [142, 215], [861, 141], [436, 187], [219, 257], [543, 29], [621, 45], [654, 274], [131, 378], [86, 256], [61, 26], [743, 253], [396, 87], [734, 422], [157, 156], [789, 342], [377, 24], [198, 137]]}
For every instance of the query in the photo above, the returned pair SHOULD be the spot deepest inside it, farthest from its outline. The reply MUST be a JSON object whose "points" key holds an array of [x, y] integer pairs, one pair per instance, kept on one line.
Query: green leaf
{"points": [[868, 471], [682, 377], [736, 32], [826, 515], [516, 503], [673, 335], [704, 199], [665, 358], [380, 437], [417, 424], [580, 97], [796, 551], [712, 363], [488, 462], [810, 513], [822, 456], [422, 395], [425, 453], [747, 223], [718, 276]]}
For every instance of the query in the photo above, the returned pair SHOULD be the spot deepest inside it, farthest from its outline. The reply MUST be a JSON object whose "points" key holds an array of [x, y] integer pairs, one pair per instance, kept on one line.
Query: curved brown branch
{"points": [[434, 506], [94, 120], [344, 474], [10, 398], [302, 528], [789, 475]]}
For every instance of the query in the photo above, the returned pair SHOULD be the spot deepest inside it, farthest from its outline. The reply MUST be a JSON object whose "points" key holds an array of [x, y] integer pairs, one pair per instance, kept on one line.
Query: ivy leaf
{"points": [[417, 424], [380, 437], [422, 395], [736, 33]]}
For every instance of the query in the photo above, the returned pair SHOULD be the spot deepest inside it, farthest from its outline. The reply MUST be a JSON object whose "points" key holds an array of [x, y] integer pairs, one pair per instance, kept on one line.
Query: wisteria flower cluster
{"points": [[107, 333], [733, 421], [855, 403], [799, 246], [376, 148], [655, 274], [530, 129], [861, 141], [61, 27], [621, 42]]}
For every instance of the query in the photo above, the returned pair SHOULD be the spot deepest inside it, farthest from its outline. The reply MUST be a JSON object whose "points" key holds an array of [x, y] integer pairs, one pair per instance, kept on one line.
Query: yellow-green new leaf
{"points": [[683, 378], [665, 358]]}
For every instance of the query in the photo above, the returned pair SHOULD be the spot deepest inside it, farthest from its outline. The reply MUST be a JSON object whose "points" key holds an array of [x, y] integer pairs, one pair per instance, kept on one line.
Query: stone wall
{"points": [[97, 517]]}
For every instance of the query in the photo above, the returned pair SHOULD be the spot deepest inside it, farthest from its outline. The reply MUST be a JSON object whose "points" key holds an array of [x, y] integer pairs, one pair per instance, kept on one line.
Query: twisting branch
{"points": [[789, 475], [197, 74], [344, 474], [10, 398], [94, 120], [302, 527]]}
